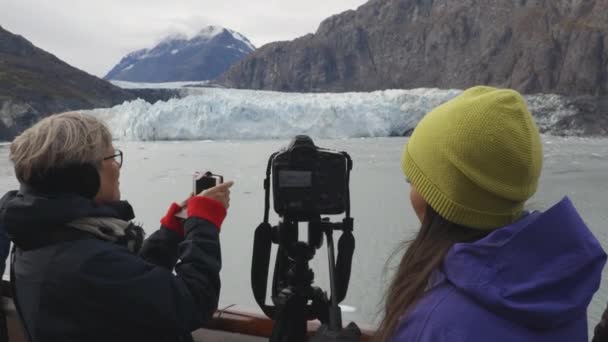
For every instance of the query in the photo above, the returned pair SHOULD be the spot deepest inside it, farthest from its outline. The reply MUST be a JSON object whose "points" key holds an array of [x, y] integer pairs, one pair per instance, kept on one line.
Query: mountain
{"points": [[203, 57], [34, 84], [534, 46]]}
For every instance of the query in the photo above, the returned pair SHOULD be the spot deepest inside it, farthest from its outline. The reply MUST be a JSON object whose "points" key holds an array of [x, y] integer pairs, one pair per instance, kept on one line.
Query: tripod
{"points": [[292, 282], [294, 277], [295, 300]]}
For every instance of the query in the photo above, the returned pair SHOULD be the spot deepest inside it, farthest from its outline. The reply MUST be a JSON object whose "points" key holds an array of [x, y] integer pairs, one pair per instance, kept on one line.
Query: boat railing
{"points": [[227, 324]]}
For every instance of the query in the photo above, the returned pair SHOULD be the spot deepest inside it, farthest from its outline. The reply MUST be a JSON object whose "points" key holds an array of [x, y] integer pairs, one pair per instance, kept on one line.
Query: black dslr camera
{"points": [[308, 181]]}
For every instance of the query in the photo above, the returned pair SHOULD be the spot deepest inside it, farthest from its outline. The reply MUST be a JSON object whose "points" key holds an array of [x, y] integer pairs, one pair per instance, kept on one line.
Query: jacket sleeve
{"points": [[161, 248], [147, 294]]}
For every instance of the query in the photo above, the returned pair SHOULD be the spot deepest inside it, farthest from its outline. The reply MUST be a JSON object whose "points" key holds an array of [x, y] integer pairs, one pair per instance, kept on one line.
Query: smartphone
{"points": [[201, 181], [204, 181]]}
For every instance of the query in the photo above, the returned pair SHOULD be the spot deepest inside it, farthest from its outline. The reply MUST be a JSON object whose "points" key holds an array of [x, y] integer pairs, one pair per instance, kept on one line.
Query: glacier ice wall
{"points": [[215, 113]]}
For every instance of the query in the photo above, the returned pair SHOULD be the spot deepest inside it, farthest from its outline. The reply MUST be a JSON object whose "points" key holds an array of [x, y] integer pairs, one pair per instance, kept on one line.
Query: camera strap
{"points": [[267, 188], [259, 266], [262, 245], [346, 243], [344, 258]]}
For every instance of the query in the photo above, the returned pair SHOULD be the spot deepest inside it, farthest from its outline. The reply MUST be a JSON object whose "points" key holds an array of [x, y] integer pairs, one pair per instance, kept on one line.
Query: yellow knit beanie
{"points": [[477, 158]]}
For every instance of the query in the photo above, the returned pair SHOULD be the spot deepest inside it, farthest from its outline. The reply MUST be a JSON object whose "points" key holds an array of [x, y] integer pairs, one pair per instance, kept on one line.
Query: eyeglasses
{"points": [[117, 156]]}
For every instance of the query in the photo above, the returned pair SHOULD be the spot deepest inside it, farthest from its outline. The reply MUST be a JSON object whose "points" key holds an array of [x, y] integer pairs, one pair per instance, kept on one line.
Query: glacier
{"points": [[160, 85], [233, 114]]}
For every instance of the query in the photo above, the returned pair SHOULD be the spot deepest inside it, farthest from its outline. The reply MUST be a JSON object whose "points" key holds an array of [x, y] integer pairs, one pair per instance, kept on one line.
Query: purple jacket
{"points": [[530, 281]]}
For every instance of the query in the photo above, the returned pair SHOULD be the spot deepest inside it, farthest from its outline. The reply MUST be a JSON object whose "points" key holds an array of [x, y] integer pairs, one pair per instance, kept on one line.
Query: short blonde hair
{"points": [[57, 141]]}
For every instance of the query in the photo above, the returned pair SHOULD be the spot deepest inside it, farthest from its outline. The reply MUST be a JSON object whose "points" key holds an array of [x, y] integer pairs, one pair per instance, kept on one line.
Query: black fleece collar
{"points": [[33, 219]]}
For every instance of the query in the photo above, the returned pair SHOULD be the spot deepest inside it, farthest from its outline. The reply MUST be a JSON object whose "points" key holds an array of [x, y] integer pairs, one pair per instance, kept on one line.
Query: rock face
{"points": [[591, 118], [583, 115], [204, 57], [534, 46], [34, 84]]}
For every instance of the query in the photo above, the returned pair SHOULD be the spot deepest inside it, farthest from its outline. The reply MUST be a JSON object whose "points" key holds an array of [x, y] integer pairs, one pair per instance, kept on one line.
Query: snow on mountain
{"points": [[178, 57], [136, 54], [172, 38], [242, 38]]}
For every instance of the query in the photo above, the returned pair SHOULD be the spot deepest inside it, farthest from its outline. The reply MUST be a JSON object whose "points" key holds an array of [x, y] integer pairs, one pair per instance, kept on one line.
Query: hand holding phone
{"points": [[220, 193], [209, 185]]}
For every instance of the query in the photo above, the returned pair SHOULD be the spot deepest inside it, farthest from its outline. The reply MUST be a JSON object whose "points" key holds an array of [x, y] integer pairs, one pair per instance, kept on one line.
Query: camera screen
{"points": [[295, 179]]}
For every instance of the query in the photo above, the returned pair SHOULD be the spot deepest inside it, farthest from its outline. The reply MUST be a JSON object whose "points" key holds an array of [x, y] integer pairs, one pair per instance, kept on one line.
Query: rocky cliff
{"points": [[535, 46], [34, 84]]}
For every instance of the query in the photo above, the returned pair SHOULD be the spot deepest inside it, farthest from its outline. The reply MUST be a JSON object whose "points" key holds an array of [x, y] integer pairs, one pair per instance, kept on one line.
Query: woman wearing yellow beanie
{"points": [[481, 268]]}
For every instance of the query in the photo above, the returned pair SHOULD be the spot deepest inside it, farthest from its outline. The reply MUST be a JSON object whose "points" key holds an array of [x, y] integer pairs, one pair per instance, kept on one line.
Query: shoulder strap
{"points": [[14, 293]]}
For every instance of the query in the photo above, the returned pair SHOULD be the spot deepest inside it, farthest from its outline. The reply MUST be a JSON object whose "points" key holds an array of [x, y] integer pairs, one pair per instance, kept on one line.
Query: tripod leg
{"points": [[290, 320]]}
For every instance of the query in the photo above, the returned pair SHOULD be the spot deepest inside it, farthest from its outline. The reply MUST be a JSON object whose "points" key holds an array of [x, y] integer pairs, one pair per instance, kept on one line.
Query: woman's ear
{"points": [[90, 182]]}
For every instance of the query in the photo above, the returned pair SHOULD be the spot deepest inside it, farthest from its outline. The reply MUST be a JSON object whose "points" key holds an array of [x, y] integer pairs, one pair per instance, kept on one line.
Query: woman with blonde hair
{"points": [[481, 268], [81, 270]]}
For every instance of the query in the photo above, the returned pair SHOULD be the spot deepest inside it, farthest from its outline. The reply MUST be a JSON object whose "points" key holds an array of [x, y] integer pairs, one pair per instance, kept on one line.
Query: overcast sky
{"points": [[94, 34]]}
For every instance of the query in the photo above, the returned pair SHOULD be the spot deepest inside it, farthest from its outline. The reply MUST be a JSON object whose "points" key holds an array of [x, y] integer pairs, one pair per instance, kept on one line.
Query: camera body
{"points": [[308, 181]]}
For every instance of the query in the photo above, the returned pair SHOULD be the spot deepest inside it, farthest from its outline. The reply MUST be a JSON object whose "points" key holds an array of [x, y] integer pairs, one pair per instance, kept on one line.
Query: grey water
{"points": [[155, 174]]}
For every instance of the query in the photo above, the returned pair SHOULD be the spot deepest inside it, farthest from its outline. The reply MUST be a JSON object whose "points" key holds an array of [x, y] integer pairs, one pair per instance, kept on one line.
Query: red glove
{"points": [[208, 209], [171, 222]]}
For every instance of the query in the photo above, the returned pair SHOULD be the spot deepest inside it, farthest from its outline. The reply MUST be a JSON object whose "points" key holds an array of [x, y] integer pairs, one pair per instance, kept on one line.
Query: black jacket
{"points": [[72, 286], [600, 333]]}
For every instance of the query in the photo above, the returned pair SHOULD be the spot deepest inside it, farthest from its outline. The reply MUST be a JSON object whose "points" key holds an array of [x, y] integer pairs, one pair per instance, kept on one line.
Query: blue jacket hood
{"points": [[539, 272]]}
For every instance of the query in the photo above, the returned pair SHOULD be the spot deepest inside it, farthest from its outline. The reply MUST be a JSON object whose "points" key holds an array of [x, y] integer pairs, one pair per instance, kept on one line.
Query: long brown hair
{"points": [[423, 256]]}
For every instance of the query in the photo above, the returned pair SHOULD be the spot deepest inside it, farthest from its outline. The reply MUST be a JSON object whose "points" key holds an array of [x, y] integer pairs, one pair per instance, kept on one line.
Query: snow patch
{"points": [[240, 37]]}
